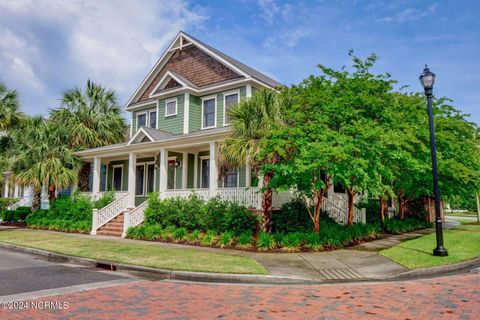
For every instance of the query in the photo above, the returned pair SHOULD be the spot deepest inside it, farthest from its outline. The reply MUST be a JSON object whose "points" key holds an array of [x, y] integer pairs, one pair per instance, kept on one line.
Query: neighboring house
{"points": [[179, 113]]}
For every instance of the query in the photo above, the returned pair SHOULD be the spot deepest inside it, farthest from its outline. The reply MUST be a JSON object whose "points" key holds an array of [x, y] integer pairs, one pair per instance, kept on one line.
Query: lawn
{"points": [[142, 254], [462, 243]]}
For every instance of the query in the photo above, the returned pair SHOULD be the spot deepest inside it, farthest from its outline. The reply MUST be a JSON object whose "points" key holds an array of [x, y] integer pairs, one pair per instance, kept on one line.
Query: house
{"points": [[179, 113]]}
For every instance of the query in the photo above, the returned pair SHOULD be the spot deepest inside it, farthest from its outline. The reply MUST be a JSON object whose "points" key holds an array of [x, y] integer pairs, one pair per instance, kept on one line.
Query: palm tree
{"points": [[249, 120], [93, 118], [44, 159], [9, 114]]}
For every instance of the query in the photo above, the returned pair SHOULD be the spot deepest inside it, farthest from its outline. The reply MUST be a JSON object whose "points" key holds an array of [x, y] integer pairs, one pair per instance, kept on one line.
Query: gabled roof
{"points": [[169, 75], [150, 134], [183, 40]]}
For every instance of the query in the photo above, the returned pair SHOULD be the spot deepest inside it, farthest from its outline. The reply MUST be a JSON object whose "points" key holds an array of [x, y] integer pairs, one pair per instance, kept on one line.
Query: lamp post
{"points": [[427, 79]]}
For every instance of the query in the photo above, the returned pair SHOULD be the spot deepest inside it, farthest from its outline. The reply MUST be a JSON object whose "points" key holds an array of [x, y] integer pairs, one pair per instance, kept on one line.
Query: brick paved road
{"points": [[454, 297]]}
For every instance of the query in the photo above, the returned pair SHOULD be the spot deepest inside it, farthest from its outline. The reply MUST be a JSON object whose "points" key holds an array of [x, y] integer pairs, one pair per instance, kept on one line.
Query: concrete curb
{"points": [[435, 271], [160, 273]]}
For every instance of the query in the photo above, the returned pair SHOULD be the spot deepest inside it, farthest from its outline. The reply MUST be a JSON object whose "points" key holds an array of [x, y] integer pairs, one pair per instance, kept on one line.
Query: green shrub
{"points": [[239, 219], [8, 215], [397, 226], [179, 233], [312, 241], [292, 217], [209, 239], [292, 241], [245, 240], [20, 214], [194, 237], [226, 239], [265, 242], [106, 198]]}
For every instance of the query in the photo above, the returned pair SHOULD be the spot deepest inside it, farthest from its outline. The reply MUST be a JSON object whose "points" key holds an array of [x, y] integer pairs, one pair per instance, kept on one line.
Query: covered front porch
{"points": [[176, 171]]}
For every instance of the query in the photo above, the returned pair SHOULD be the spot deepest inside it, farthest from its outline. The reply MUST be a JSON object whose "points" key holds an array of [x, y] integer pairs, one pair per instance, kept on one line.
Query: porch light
{"points": [[427, 79]]}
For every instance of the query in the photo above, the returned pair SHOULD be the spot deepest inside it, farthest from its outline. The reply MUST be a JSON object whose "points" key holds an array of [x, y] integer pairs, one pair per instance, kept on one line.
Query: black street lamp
{"points": [[427, 79]]}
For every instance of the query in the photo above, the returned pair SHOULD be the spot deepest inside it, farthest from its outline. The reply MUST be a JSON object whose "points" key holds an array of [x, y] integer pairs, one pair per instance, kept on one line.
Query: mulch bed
{"points": [[14, 224]]}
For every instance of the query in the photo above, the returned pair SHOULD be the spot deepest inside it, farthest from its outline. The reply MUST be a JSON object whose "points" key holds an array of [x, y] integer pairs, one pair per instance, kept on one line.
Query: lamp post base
{"points": [[440, 252]]}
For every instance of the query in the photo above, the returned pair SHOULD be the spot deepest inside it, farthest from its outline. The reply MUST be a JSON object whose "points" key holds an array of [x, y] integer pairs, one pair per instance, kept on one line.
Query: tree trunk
{"points": [[51, 193], [351, 196], [383, 206], [318, 208], [267, 204], [36, 199], [401, 206], [84, 176]]}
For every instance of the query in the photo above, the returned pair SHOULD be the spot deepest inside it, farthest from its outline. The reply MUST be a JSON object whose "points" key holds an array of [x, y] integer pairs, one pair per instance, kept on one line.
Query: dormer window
{"points": [[147, 118], [171, 107]]}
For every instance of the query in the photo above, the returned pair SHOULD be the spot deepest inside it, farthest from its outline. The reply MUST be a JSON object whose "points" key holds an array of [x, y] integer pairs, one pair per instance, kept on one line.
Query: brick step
{"points": [[114, 224], [108, 228]]}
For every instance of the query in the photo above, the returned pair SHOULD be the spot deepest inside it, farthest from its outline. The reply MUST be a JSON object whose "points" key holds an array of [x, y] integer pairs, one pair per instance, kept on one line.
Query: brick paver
{"points": [[454, 297]]}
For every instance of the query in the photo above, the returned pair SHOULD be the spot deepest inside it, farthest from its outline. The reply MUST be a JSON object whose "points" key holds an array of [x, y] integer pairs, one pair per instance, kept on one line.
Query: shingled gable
{"points": [[197, 65]]}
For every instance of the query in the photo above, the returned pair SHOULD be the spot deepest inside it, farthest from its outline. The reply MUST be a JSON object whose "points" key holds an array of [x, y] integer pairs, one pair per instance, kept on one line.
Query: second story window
{"points": [[171, 107], [153, 119], [231, 99], [208, 118], [141, 120]]}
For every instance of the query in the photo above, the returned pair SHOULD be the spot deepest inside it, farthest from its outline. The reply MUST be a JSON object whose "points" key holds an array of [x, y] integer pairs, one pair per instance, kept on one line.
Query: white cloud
{"points": [[409, 14], [113, 42]]}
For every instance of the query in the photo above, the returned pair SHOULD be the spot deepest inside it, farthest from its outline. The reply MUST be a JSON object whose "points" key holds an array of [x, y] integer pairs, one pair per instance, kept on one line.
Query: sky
{"points": [[48, 47]]}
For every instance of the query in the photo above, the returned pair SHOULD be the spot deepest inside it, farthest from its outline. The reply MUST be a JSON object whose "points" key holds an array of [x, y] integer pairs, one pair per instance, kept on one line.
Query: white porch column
{"points": [[16, 190], [213, 169], [132, 171], [97, 164], [163, 171], [248, 175], [184, 170], [195, 170], [7, 184], [248, 91]]}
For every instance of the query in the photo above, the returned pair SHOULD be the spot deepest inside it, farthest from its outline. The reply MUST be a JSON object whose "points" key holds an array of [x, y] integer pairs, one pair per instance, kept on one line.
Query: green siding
{"points": [[219, 110], [195, 114], [173, 124]]}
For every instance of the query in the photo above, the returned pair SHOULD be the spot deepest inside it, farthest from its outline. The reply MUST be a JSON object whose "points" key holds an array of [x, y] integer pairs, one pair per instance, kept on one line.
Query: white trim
{"points": [[214, 97], [176, 107], [225, 94], [185, 170], [150, 111], [201, 171], [186, 113], [136, 118], [165, 79], [248, 91], [113, 175], [141, 130]]}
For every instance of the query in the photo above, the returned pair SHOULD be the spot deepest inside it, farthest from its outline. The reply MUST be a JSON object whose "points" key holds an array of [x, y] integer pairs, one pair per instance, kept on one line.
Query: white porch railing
{"points": [[359, 215], [134, 217], [22, 202], [185, 193], [102, 216], [98, 195], [249, 197], [340, 214]]}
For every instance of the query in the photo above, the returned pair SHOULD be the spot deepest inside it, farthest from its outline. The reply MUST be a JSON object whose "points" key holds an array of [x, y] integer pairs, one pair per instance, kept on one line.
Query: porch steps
{"points": [[113, 227]]}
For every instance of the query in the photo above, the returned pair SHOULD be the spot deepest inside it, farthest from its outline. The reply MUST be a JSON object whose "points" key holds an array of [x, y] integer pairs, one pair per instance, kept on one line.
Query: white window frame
{"points": [[146, 119], [238, 180], [113, 175], [149, 117], [145, 176], [225, 94], [214, 97], [201, 169], [167, 101]]}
